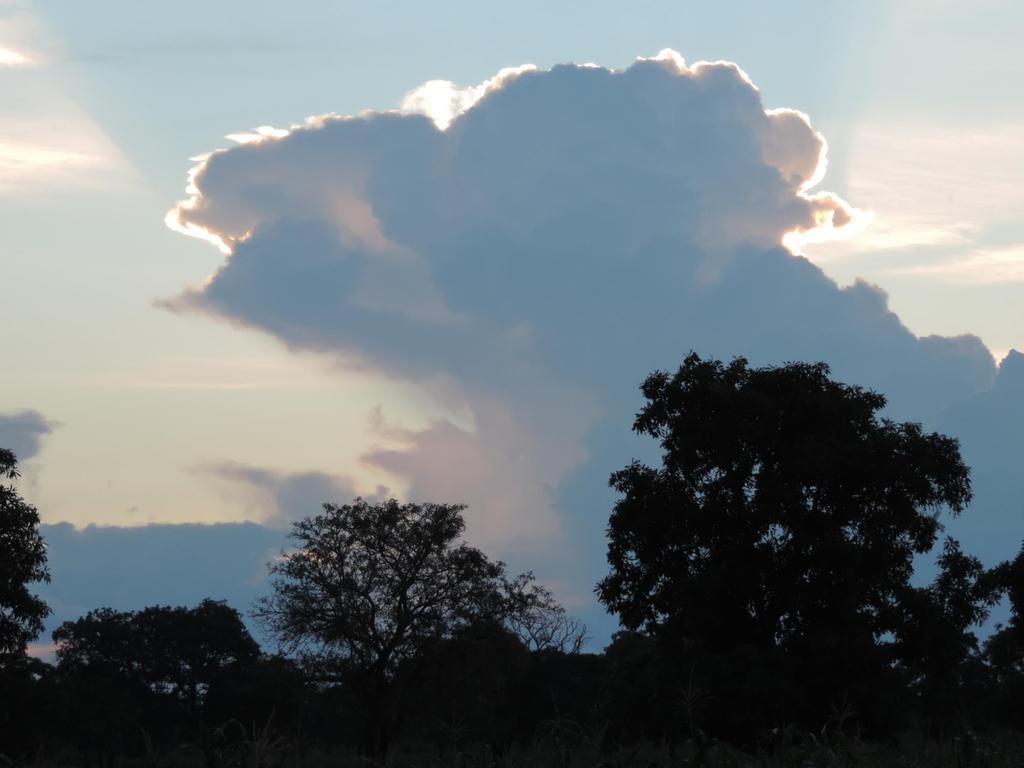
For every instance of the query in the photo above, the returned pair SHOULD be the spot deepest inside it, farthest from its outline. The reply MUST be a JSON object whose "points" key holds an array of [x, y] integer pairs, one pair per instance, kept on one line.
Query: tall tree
{"points": [[22, 562], [784, 519], [370, 586]]}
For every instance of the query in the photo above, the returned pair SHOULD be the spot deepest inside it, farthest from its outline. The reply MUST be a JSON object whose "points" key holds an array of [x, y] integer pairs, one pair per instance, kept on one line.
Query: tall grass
{"points": [[564, 744]]}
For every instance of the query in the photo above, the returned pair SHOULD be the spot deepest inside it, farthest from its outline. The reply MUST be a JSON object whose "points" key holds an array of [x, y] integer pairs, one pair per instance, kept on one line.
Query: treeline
{"points": [[762, 576], [480, 694]]}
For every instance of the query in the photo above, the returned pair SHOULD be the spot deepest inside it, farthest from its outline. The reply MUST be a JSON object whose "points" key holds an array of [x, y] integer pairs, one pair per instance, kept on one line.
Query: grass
{"points": [[561, 746]]}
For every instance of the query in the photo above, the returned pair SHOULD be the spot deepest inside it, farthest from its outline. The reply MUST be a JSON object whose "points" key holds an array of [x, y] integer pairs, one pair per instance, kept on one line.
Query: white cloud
{"points": [[443, 101]]}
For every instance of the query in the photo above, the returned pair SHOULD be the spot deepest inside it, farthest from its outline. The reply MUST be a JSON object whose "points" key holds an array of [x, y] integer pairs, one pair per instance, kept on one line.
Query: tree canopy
{"points": [[785, 516], [22, 562], [373, 583], [369, 586], [174, 650], [1005, 648]]}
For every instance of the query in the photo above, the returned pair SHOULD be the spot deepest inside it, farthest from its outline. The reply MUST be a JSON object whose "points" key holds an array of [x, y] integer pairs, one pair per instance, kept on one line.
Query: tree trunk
{"points": [[380, 728]]}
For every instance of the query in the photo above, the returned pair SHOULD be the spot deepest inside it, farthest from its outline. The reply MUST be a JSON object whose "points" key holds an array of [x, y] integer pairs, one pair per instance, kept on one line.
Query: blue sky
{"points": [[217, 412]]}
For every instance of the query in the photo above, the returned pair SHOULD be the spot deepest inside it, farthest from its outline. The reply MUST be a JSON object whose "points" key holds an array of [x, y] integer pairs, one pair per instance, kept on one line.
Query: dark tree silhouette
{"points": [[134, 681], [370, 586], [534, 616], [784, 518], [1007, 644], [466, 689], [22, 562], [1004, 650], [935, 641], [177, 651]]}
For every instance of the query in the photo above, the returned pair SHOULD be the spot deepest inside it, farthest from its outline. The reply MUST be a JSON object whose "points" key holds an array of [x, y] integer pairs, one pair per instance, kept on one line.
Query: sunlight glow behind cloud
{"points": [[176, 218], [12, 58], [443, 101]]}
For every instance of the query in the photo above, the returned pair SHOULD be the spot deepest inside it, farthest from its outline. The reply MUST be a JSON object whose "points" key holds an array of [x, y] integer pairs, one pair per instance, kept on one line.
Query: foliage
{"points": [[1004, 650], [22, 562], [371, 586], [1006, 647], [374, 583], [934, 642], [177, 651], [762, 575], [534, 616], [782, 524], [468, 689]]}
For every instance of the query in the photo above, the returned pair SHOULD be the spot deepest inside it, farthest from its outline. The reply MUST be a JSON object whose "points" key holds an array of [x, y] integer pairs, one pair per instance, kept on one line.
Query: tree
{"points": [[1004, 650], [534, 616], [935, 642], [370, 586], [176, 651], [27, 697], [22, 562], [1006, 646], [783, 522], [468, 689]]}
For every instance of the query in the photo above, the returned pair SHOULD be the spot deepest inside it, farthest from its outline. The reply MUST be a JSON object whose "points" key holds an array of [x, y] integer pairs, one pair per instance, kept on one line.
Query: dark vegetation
{"points": [[762, 576]]}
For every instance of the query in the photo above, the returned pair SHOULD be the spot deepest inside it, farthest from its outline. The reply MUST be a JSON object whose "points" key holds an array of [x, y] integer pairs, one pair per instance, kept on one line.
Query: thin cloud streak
{"points": [[981, 267], [48, 143], [930, 187], [35, 157]]}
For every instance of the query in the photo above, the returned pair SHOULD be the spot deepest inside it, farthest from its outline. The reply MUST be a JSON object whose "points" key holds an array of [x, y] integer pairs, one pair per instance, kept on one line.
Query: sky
{"points": [[454, 296]]}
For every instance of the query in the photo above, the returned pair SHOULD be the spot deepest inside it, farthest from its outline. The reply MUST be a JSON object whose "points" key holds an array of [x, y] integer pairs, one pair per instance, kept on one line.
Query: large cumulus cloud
{"points": [[990, 427], [559, 196], [560, 235]]}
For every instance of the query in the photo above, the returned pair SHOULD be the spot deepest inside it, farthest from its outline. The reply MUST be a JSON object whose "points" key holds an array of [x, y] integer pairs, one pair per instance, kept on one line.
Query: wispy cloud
{"points": [[279, 498], [19, 36], [59, 154], [930, 187], [48, 143], [270, 372], [978, 266]]}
